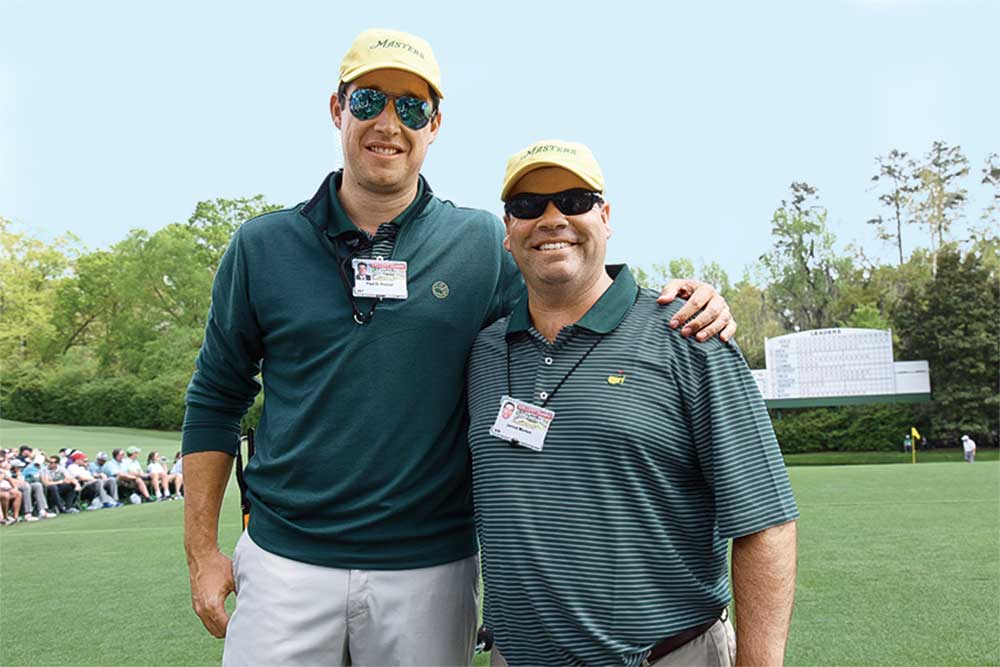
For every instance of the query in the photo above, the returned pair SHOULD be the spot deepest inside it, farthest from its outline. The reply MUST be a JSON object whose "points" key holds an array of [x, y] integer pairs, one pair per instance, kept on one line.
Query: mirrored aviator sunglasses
{"points": [[529, 205], [413, 112]]}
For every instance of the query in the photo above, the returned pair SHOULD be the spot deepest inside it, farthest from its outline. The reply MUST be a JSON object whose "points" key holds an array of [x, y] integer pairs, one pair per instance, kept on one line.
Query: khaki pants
{"points": [[716, 647], [292, 613]]}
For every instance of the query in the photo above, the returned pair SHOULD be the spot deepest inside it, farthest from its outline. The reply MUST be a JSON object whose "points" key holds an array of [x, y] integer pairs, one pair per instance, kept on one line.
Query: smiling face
{"points": [[558, 250], [382, 155]]}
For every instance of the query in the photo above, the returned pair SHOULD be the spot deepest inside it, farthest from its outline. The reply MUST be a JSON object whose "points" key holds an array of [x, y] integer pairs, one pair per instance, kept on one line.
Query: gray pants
{"points": [[292, 613], [105, 489], [34, 497], [716, 647]]}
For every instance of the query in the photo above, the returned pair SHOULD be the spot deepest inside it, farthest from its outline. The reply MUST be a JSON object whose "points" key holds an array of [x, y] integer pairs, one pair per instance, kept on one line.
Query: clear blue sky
{"points": [[116, 115]]}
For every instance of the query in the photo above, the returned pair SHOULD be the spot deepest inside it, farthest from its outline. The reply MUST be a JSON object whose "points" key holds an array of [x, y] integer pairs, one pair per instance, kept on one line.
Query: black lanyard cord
{"points": [[359, 317], [510, 391]]}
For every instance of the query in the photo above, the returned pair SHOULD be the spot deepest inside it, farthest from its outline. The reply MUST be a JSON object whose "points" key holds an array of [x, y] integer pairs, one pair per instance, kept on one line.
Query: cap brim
{"points": [[524, 169], [361, 71]]}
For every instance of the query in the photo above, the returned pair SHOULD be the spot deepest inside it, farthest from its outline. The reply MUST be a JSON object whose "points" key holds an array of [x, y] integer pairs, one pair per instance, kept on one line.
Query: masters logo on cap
{"points": [[573, 157], [380, 48]]}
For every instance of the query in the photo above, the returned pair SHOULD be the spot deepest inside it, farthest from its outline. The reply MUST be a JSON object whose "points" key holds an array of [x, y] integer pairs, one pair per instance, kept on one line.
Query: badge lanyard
{"points": [[510, 391], [360, 317]]}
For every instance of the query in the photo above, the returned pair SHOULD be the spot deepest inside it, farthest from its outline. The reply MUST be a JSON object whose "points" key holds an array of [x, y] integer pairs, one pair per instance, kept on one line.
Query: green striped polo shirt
{"points": [[614, 536]]}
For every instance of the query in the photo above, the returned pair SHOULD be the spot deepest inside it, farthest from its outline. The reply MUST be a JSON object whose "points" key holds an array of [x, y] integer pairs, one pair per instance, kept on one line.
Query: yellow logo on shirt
{"points": [[616, 379]]}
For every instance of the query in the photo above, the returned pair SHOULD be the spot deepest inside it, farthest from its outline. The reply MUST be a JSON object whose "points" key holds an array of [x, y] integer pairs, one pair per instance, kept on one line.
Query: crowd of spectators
{"points": [[35, 485]]}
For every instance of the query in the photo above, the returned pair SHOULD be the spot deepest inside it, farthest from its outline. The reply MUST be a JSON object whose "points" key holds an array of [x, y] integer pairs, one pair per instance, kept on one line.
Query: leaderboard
{"points": [[830, 362]]}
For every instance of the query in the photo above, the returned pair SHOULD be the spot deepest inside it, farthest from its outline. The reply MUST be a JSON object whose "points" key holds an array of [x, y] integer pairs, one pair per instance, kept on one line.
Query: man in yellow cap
{"points": [[606, 496], [360, 547]]}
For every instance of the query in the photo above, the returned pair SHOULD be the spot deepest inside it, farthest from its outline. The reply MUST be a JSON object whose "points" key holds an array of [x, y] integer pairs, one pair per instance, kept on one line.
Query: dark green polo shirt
{"points": [[361, 460], [614, 536]]}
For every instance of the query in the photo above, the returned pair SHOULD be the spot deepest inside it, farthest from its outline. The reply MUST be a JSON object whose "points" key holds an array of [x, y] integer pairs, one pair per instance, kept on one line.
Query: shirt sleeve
{"points": [[224, 383], [737, 449]]}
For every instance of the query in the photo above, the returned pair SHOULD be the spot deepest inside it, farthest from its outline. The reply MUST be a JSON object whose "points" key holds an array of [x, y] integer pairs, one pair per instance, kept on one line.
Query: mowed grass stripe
{"points": [[898, 565]]}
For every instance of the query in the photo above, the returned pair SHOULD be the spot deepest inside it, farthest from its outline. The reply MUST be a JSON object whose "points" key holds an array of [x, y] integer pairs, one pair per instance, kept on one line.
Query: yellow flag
{"points": [[915, 433]]}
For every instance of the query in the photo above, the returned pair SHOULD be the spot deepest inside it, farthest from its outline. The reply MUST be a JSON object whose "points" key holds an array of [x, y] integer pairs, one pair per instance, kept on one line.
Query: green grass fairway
{"points": [[954, 455], [898, 565]]}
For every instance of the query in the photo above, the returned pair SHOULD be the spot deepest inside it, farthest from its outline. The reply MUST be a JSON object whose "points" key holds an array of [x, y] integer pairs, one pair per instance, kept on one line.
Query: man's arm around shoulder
{"points": [[764, 566], [211, 571]]}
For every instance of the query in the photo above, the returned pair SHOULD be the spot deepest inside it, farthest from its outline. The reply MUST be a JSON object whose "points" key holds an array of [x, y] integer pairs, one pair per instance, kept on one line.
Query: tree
{"points": [[755, 315], [214, 223], [954, 323], [897, 171], [940, 198], [30, 272], [991, 177], [804, 270]]}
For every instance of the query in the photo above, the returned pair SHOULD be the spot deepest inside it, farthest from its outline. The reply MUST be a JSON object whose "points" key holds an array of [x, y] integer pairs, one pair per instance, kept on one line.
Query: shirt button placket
{"points": [[545, 381]]}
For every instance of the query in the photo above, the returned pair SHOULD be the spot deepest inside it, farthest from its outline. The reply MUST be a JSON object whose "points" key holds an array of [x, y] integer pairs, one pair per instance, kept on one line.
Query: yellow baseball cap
{"points": [[572, 157], [381, 48]]}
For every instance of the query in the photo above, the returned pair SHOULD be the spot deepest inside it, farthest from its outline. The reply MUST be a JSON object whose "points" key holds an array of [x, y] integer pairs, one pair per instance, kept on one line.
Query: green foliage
{"points": [[954, 323], [755, 315], [867, 316], [805, 271], [77, 391], [851, 428], [30, 272], [897, 173], [110, 337]]}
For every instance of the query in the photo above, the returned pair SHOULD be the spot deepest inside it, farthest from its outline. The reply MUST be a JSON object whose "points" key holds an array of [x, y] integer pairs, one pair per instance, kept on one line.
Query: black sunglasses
{"points": [[413, 112], [529, 205]]}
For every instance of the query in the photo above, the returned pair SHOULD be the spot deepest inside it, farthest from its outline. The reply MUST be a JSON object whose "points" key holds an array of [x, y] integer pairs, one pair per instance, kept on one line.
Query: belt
{"points": [[674, 642]]}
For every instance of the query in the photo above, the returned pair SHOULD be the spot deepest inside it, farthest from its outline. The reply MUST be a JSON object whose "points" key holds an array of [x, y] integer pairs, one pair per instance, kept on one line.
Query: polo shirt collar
{"points": [[602, 318], [325, 211]]}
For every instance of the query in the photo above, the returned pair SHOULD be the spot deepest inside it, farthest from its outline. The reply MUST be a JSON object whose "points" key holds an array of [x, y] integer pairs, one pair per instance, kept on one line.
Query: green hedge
{"points": [[78, 393], [852, 428]]}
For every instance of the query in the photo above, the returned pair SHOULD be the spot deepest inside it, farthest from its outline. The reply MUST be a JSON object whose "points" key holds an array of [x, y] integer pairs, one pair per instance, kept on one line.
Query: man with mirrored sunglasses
{"points": [[360, 547], [614, 459]]}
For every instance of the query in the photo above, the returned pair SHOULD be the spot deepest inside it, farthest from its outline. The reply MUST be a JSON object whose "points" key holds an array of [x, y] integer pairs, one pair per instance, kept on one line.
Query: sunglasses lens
{"points": [[366, 103], [413, 112], [527, 207], [574, 202]]}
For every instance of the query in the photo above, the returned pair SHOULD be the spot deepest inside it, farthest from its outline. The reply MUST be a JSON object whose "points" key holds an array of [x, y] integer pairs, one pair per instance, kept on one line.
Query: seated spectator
{"points": [[32, 491], [128, 482], [10, 498], [92, 488], [10, 504], [96, 468], [177, 470], [26, 453], [62, 490], [159, 475]]}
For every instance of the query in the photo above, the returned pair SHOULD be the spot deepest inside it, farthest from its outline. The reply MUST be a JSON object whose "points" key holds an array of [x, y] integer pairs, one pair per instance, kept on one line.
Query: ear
{"points": [[606, 219], [335, 110], [435, 126], [506, 239]]}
